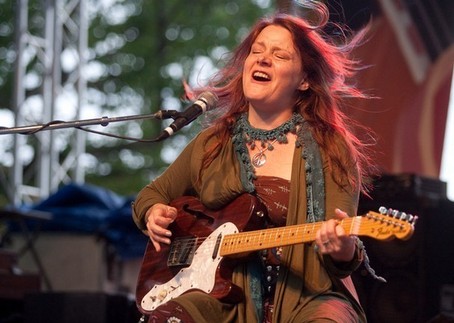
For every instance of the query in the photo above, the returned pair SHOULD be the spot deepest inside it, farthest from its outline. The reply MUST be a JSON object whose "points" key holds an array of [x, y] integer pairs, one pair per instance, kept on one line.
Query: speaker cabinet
{"points": [[415, 269]]}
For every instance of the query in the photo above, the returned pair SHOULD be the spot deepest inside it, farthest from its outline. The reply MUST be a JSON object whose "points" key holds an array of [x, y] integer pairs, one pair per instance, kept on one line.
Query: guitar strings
{"points": [[284, 235]]}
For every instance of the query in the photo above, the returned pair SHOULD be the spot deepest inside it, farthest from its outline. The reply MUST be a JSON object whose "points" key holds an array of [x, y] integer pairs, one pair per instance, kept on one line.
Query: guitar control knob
{"points": [[162, 294]]}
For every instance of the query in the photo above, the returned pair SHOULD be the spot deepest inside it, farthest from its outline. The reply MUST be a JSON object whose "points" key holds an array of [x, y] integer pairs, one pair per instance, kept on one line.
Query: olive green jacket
{"points": [[304, 274]]}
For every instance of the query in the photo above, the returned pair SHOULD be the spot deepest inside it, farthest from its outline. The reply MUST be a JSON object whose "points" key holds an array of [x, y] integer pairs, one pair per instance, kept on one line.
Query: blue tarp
{"points": [[90, 209]]}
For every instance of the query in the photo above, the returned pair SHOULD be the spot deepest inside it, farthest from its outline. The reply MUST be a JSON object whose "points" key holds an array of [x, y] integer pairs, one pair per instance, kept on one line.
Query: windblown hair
{"points": [[327, 66]]}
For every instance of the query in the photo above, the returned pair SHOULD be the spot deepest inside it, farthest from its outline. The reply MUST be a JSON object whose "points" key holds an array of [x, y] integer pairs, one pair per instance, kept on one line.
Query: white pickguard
{"points": [[199, 275]]}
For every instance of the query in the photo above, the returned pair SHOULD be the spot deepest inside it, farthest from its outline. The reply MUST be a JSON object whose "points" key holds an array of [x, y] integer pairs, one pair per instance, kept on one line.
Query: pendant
{"points": [[259, 159]]}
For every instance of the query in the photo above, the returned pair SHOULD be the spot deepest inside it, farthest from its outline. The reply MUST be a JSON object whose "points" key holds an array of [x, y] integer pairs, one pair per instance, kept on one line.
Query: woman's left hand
{"points": [[332, 240]]}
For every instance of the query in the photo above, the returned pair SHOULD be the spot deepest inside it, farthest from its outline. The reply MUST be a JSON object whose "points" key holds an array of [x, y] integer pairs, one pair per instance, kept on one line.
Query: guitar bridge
{"points": [[182, 252]]}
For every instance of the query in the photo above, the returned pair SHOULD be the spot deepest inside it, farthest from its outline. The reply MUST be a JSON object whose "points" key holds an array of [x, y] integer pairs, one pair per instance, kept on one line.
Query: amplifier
{"points": [[408, 185]]}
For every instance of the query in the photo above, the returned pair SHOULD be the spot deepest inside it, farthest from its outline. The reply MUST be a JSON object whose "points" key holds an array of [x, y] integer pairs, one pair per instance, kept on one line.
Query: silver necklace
{"points": [[249, 135], [259, 159]]}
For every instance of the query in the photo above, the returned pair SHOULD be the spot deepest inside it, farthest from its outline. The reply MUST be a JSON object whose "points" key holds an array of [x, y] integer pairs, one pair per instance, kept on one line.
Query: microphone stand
{"points": [[103, 121]]}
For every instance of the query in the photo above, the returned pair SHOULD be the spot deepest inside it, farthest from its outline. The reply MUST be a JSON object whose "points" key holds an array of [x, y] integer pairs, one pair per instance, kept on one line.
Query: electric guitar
{"points": [[207, 244]]}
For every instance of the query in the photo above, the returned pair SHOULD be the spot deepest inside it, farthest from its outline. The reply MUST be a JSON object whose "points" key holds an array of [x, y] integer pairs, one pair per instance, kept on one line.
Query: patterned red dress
{"points": [[274, 194]]}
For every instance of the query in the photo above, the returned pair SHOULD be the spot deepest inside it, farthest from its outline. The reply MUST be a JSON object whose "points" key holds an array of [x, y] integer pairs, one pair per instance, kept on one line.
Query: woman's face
{"points": [[273, 71]]}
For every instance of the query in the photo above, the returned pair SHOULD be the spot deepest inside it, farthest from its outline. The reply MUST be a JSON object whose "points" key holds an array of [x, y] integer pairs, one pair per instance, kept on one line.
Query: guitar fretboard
{"points": [[281, 236]]}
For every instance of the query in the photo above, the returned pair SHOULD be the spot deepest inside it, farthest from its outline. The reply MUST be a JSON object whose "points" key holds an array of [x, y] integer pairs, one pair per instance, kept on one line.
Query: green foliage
{"points": [[164, 33]]}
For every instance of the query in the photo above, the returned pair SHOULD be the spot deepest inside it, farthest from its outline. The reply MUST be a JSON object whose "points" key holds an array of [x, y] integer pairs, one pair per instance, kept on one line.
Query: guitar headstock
{"points": [[388, 224]]}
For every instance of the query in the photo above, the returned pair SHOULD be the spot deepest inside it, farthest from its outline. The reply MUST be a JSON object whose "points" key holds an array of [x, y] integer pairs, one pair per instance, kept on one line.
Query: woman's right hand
{"points": [[158, 218]]}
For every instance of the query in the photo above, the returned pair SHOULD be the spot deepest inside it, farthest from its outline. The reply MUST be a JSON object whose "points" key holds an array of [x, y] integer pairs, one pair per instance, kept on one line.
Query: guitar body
{"points": [[186, 265]]}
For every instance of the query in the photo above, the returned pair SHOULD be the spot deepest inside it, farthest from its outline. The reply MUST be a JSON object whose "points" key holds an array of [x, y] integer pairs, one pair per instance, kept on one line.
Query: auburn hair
{"points": [[327, 66]]}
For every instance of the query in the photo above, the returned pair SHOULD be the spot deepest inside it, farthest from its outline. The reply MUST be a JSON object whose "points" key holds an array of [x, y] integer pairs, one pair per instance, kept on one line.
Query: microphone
{"points": [[205, 102]]}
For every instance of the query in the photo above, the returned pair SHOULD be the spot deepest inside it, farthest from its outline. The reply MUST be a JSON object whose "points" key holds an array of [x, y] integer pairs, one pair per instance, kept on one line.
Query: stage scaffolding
{"points": [[63, 30]]}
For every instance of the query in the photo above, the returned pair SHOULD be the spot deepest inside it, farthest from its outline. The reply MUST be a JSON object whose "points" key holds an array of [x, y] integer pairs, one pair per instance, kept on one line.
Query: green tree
{"points": [[167, 42]]}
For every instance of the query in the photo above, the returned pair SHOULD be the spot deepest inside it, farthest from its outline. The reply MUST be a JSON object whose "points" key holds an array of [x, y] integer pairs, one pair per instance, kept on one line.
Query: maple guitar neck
{"points": [[372, 224]]}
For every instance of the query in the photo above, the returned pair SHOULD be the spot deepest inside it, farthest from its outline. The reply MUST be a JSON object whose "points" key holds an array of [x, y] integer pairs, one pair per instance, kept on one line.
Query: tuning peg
{"points": [[397, 214], [413, 219], [387, 211], [407, 217]]}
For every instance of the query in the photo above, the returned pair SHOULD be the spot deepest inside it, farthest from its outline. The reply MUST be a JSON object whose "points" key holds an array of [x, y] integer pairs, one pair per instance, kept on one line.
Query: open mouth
{"points": [[261, 76]]}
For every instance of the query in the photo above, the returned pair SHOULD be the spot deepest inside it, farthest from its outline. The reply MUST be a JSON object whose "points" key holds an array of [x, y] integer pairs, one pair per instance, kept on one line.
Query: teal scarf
{"points": [[244, 134]]}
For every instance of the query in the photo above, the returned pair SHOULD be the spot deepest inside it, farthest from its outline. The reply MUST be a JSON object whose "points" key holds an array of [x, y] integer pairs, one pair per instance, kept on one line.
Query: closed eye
{"points": [[282, 55], [257, 49]]}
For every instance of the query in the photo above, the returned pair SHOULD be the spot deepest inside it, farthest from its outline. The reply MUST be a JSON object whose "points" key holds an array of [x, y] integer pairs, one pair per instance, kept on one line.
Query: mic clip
{"points": [[167, 114]]}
